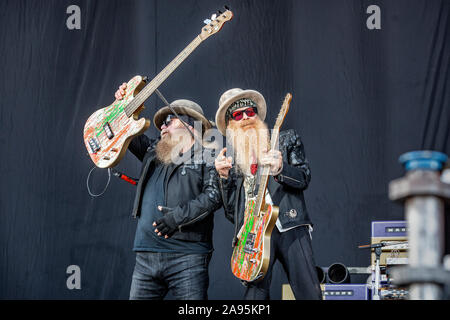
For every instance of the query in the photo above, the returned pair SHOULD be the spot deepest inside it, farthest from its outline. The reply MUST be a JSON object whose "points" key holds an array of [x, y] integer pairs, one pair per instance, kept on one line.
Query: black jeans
{"points": [[155, 273], [294, 251]]}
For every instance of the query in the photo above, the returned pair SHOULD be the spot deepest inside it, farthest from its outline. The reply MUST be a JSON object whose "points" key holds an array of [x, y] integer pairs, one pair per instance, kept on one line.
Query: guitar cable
{"points": [[106, 187], [116, 173], [124, 177]]}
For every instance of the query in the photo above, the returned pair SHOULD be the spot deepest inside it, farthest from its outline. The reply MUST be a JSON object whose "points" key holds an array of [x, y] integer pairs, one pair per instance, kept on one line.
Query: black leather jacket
{"points": [[192, 191], [286, 189]]}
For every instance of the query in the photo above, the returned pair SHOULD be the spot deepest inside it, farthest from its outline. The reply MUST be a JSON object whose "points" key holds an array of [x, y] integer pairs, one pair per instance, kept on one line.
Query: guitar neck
{"points": [[273, 143], [265, 174], [148, 90]]}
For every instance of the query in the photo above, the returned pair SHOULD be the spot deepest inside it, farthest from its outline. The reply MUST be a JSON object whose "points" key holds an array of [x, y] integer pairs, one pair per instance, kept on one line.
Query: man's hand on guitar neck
{"points": [[274, 159], [223, 164], [121, 91]]}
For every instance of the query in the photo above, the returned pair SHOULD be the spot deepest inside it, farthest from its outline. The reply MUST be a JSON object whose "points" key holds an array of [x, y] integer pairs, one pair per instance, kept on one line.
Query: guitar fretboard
{"points": [[148, 90], [273, 143], [265, 175]]}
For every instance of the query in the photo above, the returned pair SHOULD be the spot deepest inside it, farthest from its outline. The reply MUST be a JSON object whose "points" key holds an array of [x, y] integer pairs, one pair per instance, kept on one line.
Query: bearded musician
{"points": [[240, 118], [175, 198]]}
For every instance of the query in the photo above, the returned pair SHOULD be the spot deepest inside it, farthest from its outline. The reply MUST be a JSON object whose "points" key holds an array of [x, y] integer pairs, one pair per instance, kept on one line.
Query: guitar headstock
{"points": [[283, 111], [216, 23]]}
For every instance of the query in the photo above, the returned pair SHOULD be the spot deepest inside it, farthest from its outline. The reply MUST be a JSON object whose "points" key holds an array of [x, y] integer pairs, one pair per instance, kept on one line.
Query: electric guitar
{"points": [[109, 131], [251, 254]]}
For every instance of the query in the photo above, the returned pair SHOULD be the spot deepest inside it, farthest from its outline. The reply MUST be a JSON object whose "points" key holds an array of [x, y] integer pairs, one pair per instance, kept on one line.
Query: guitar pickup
{"points": [[108, 131], [94, 144], [248, 248]]}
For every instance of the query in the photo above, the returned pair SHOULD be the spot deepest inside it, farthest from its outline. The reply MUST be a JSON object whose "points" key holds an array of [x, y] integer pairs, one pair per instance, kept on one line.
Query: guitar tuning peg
{"points": [[213, 17], [226, 7], [207, 21], [219, 12]]}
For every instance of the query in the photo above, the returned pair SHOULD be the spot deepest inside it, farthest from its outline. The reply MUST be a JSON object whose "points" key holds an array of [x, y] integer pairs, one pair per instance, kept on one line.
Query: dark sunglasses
{"points": [[250, 112], [168, 120]]}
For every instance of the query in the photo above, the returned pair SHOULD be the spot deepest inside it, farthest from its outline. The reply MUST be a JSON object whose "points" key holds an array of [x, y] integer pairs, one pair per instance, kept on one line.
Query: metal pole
{"points": [[426, 237], [423, 194], [376, 286]]}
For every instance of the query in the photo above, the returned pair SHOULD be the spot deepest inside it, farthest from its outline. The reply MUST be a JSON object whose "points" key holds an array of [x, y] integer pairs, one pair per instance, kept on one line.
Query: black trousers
{"points": [[294, 251]]}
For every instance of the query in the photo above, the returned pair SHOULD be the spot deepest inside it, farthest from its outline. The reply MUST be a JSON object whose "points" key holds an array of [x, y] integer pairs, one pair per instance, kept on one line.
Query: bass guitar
{"points": [[108, 131], [251, 255]]}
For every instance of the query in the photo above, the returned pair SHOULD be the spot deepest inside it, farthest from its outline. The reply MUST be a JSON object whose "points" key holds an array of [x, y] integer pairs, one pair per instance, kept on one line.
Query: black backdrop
{"points": [[361, 98]]}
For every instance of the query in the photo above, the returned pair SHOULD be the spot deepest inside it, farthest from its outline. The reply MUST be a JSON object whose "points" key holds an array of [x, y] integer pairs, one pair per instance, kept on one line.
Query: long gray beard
{"points": [[248, 145]]}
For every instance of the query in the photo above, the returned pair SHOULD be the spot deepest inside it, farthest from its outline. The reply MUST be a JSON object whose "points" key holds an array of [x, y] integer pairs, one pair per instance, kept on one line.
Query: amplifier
{"points": [[335, 292], [345, 291], [394, 294], [390, 231]]}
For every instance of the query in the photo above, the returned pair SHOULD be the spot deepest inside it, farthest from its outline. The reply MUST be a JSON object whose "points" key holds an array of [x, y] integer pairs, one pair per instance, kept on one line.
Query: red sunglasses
{"points": [[250, 112]]}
